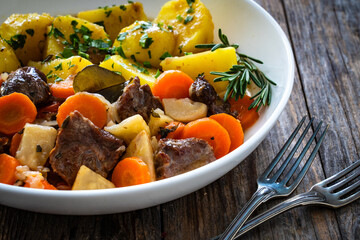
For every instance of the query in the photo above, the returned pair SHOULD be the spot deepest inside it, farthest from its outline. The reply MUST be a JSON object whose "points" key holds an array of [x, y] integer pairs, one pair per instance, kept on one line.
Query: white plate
{"points": [[245, 23]]}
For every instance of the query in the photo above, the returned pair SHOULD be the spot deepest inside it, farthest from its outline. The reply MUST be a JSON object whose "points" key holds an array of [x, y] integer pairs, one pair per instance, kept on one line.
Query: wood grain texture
{"points": [[325, 35]]}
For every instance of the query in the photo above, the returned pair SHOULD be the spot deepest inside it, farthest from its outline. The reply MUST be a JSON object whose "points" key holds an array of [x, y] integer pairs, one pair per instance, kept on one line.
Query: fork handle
{"points": [[303, 199], [260, 196]]}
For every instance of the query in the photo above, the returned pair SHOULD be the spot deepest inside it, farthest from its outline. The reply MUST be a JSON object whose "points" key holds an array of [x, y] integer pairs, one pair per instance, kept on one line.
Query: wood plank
{"points": [[329, 69]]}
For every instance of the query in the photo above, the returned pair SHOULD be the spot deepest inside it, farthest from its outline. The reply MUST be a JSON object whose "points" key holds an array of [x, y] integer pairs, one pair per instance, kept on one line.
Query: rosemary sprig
{"points": [[240, 75]]}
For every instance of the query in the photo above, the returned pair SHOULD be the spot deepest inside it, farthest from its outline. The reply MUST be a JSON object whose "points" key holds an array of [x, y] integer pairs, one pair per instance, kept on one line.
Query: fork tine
{"points": [[348, 189], [350, 199], [291, 154], [340, 174], [283, 150], [310, 159], [338, 185]]}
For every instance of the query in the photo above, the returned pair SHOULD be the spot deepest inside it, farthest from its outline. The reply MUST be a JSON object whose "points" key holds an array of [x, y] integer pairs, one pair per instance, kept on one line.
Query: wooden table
{"points": [[325, 36]]}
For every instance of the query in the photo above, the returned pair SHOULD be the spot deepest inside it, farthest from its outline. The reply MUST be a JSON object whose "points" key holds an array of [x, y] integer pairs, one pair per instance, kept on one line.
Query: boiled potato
{"points": [[184, 110], [146, 42], [61, 68], [220, 60], [115, 18], [63, 29], [193, 25], [36, 144], [9, 62], [26, 34], [129, 128], [157, 120], [86, 179], [141, 147], [129, 69]]}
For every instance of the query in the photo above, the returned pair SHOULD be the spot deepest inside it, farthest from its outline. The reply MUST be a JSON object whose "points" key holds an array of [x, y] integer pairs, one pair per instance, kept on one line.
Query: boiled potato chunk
{"points": [[220, 60], [129, 128], [61, 68], [146, 42], [9, 62], [129, 69], [26, 34], [63, 28], [115, 18], [86, 179], [141, 147], [194, 26], [36, 144], [184, 110], [157, 120]]}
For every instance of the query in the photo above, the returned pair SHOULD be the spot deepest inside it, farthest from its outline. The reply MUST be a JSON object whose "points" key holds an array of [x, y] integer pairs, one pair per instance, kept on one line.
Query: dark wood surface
{"points": [[325, 36]]}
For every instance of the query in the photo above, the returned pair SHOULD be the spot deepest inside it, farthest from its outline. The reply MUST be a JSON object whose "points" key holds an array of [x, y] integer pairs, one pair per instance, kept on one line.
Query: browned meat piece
{"points": [[176, 156], [29, 81], [80, 142], [136, 99], [4, 143], [202, 91]]}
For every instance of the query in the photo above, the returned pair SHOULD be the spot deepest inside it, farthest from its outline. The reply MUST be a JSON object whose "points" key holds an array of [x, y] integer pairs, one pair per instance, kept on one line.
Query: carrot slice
{"points": [[175, 130], [246, 117], [37, 181], [16, 110], [172, 84], [210, 131], [8, 166], [130, 171], [233, 126], [52, 108], [63, 89], [88, 105], [15, 142]]}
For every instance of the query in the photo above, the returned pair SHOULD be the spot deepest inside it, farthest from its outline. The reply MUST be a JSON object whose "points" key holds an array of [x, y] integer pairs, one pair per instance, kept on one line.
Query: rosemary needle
{"points": [[240, 75]]}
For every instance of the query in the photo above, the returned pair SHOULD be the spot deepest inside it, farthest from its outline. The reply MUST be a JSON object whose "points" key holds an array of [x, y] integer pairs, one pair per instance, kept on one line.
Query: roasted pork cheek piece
{"points": [[80, 142], [136, 99], [176, 156], [202, 91], [29, 81]]}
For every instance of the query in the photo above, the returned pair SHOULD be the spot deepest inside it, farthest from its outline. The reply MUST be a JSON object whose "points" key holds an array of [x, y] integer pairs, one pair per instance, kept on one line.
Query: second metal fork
{"points": [[270, 187]]}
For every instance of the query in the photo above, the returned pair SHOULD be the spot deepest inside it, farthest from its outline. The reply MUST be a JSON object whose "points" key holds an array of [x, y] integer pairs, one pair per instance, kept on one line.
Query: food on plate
{"points": [[109, 99]]}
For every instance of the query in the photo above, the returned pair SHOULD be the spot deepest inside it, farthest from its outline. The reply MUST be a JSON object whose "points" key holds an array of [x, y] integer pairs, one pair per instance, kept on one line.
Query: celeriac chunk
{"points": [[86, 179], [184, 110], [158, 119]]}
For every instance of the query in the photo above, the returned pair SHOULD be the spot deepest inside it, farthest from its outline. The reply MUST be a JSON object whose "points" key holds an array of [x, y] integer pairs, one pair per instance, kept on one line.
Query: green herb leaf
{"points": [[188, 19], [158, 73], [165, 55], [30, 31], [58, 67], [145, 41]]}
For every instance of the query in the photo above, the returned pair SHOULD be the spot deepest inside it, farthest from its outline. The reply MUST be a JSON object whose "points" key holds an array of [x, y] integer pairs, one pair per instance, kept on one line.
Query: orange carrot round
{"points": [[15, 142], [233, 126], [88, 105], [130, 171], [8, 166], [210, 131], [246, 117], [16, 110], [176, 129], [38, 181], [172, 84], [63, 89]]}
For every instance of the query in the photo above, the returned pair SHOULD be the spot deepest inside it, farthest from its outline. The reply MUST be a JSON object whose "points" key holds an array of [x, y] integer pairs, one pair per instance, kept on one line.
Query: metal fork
{"points": [[323, 193], [270, 187]]}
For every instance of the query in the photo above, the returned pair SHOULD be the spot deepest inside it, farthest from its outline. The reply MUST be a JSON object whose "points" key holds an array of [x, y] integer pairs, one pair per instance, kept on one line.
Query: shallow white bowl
{"points": [[245, 23]]}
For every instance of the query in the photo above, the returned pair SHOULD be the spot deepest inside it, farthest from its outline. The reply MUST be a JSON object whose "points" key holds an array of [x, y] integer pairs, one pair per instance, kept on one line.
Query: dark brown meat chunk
{"points": [[4, 143], [29, 81], [202, 91], [80, 142], [136, 99], [176, 156]]}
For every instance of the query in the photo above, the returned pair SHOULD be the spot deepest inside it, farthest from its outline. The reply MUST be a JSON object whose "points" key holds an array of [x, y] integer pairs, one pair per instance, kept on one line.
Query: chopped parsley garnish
{"points": [[149, 53], [188, 53], [123, 7], [122, 36], [170, 28], [188, 19], [107, 13], [179, 18], [120, 19], [140, 68], [107, 57], [133, 57], [190, 10], [67, 52], [157, 73], [58, 67], [38, 148], [147, 64], [165, 55], [145, 41], [190, 2], [130, 2], [100, 23], [120, 51], [30, 31], [17, 41]]}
